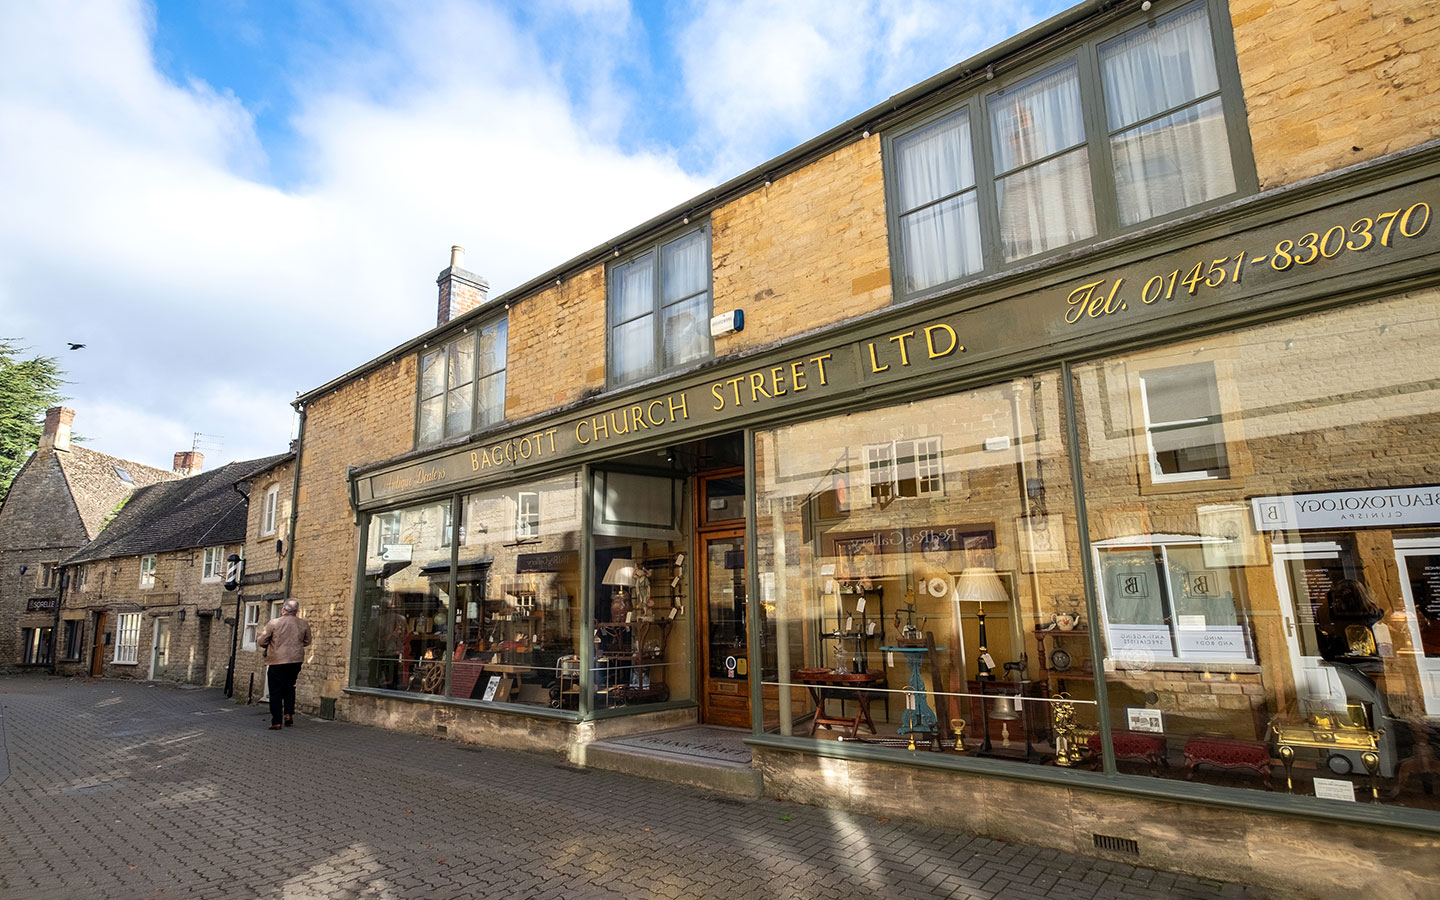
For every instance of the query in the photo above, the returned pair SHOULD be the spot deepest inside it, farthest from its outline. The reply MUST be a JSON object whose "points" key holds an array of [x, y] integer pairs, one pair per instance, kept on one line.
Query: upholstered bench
{"points": [[1226, 753], [1136, 745]]}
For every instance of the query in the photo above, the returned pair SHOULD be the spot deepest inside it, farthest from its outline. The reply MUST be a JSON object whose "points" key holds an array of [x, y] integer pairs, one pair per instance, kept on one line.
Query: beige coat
{"points": [[286, 639]]}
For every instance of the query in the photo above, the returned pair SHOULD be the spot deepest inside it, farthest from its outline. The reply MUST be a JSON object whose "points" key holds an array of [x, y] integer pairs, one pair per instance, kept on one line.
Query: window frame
{"points": [[478, 421], [212, 568], [49, 577], [1084, 53], [32, 644], [527, 515], [127, 653], [1150, 427], [74, 633], [658, 305], [148, 565], [250, 625], [270, 511]]}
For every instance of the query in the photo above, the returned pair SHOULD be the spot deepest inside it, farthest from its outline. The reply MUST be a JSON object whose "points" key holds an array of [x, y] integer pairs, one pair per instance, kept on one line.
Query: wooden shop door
{"points": [[97, 647], [724, 642]]}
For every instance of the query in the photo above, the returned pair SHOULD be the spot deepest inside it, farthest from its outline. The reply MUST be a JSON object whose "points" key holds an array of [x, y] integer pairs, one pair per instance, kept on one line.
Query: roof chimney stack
{"points": [[56, 434], [188, 462], [460, 290]]}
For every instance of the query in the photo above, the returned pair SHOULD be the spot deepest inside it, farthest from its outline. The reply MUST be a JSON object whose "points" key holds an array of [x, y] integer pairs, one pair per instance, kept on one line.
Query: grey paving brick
{"points": [[204, 802]]}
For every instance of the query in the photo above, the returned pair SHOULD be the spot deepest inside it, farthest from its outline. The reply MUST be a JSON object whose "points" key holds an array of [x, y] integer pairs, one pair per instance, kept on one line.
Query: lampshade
{"points": [[621, 573], [980, 584]]}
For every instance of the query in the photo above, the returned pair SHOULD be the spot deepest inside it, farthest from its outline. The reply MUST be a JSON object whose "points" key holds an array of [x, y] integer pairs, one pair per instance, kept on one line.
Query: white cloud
{"points": [[133, 220], [755, 69]]}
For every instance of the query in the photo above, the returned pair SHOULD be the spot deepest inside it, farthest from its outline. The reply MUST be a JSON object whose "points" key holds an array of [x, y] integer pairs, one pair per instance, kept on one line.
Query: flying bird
{"points": [[74, 346]]}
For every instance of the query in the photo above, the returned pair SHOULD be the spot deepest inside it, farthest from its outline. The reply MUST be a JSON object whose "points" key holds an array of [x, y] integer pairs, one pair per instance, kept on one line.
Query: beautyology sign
{"points": [[1284, 244], [1383, 507]]}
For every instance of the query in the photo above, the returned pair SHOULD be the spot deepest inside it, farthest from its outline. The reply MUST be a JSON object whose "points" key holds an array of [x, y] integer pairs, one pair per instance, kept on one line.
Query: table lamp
{"points": [[980, 585], [620, 576]]}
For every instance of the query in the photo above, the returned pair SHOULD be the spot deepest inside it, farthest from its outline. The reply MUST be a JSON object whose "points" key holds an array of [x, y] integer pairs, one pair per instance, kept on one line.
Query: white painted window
{"points": [[910, 468], [214, 568], [276, 608], [527, 515], [147, 571], [272, 506], [1183, 429], [127, 638], [251, 626]]}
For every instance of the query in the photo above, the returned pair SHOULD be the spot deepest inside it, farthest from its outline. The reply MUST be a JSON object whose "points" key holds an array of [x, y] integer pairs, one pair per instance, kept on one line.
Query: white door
{"points": [[1302, 577], [159, 647], [1419, 562]]}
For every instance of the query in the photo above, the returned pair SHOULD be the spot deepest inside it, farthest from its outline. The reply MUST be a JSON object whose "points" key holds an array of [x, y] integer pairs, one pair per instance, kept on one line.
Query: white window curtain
{"points": [[490, 402], [939, 219], [685, 264], [632, 344], [1181, 158], [1046, 205]]}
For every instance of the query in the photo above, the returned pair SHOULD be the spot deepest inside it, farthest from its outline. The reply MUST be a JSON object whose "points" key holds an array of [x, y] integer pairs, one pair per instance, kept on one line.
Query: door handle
{"points": [[1289, 627]]}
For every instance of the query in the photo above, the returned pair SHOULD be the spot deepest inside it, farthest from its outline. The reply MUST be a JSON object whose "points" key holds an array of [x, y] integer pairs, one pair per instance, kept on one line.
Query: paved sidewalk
{"points": [[122, 790]]}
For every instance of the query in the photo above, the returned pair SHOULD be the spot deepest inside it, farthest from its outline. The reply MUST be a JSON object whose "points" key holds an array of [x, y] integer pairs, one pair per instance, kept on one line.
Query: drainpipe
{"points": [[239, 595], [295, 497]]}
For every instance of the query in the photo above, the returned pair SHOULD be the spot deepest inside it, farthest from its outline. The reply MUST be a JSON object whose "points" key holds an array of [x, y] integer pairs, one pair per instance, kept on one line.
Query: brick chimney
{"points": [[460, 289], [56, 434], [188, 462]]}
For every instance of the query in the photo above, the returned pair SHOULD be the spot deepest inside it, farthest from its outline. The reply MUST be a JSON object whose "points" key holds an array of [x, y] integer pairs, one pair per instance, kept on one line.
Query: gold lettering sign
{"points": [[1097, 299]]}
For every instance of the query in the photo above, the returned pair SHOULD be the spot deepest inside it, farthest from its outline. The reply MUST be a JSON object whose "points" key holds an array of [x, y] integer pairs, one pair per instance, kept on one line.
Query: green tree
{"points": [[28, 387]]}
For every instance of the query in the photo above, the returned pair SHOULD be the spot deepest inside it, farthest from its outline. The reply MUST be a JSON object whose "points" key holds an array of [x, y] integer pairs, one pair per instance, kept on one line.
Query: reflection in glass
{"points": [[882, 538], [1258, 633]]}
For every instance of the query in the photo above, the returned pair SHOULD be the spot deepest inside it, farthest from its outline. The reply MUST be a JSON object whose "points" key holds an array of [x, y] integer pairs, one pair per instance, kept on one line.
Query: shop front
{"points": [[1150, 532]]}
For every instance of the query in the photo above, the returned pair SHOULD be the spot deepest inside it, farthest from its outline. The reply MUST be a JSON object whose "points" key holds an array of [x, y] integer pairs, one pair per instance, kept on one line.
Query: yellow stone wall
{"points": [[1336, 82], [808, 251], [556, 353], [367, 420]]}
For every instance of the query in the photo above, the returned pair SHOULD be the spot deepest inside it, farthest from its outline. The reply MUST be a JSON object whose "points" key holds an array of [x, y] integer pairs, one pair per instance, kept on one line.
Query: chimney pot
{"points": [[56, 433], [457, 257]]}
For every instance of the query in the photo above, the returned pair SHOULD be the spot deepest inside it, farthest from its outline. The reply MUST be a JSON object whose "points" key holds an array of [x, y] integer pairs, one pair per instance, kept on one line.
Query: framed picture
{"points": [[1041, 540], [1231, 540]]}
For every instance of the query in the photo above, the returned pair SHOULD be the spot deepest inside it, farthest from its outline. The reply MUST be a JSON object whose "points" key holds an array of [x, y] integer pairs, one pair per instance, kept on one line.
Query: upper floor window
{"points": [[50, 575], [269, 512], [659, 308], [1183, 426], [462, 384], [1013, 173], [147, 571], [214, 567], [527, 515]]}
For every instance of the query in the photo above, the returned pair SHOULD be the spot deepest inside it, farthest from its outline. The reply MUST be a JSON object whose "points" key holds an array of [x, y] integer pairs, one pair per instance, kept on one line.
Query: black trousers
{"points": [[281, 679]]}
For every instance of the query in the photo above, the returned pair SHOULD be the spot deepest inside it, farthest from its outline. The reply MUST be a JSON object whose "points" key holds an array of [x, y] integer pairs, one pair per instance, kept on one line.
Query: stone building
{"points": [[1046, 452], [151, 587], [261, 591], [60, 500]]}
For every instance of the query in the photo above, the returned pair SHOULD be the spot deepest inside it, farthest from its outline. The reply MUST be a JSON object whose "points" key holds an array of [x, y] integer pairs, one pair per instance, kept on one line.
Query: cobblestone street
{"points": [[121, 790]]}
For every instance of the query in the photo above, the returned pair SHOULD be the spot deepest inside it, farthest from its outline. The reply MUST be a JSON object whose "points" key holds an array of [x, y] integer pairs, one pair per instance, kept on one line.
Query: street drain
{"points": [[1116, 844]]}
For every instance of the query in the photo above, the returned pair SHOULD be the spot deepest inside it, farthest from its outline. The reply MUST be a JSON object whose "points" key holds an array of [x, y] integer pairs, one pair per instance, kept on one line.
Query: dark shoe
{"points": [[275, 727], [289, 720]]}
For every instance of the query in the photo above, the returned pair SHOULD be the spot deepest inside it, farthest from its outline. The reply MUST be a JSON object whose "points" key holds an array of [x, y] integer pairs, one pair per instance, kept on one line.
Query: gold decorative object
{"points": [[1070, 738], [1328, 732], [958, 726]]}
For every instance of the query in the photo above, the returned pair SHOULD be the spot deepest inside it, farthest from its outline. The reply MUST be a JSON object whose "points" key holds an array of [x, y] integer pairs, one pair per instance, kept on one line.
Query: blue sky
{"points": [[233, 201]]}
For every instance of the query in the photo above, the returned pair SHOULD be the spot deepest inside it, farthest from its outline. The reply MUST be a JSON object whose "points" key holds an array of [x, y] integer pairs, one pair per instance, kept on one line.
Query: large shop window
{"points": [[508, 629], [1146, 128], [918, 566], [37, 646], [642, 646], [659, 308], [462, 384], [1279, 626]]}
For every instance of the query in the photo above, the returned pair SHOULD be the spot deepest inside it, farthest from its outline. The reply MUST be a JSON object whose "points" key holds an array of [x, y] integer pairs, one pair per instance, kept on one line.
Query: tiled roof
{"points": [[200, 511], [97, 482]]}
